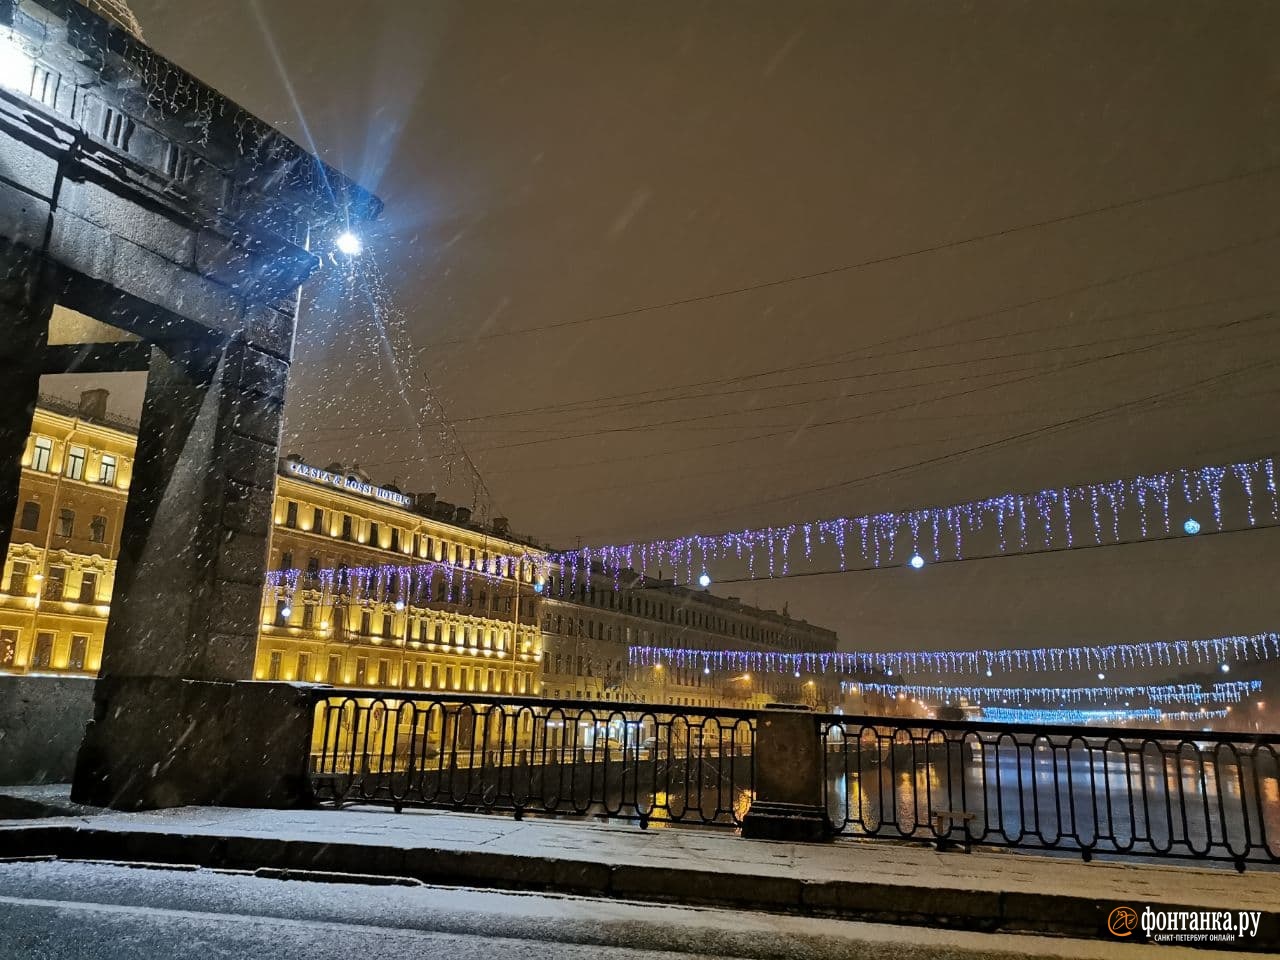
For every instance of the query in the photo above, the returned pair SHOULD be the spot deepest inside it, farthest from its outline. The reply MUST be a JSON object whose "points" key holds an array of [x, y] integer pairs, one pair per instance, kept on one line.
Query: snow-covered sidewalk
{"points": [[868, 879]]}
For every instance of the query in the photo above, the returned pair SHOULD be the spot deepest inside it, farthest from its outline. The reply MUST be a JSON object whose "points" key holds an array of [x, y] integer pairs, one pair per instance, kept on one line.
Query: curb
{"points": [[974, 910]]}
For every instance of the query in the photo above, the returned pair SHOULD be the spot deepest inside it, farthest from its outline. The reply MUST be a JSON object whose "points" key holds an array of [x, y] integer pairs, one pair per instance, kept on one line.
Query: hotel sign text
{"points": [[349, 484]]}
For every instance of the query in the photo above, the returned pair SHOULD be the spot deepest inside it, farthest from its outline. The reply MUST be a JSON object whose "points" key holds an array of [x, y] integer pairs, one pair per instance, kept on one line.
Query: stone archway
{"points": [[136, 196]]}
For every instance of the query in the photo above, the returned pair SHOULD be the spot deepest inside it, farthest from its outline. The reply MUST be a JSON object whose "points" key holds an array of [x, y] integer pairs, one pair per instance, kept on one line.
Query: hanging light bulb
{"points": [[704, 580], [349, 243], [916, 562], [1191, 527]]}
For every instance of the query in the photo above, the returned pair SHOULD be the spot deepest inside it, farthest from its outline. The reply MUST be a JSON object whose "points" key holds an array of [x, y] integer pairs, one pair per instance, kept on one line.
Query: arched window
{"points": [[30, 516]]}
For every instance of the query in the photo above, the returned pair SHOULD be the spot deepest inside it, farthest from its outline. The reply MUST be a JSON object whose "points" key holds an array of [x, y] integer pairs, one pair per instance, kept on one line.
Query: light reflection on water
{"points": [[1126, 801]]}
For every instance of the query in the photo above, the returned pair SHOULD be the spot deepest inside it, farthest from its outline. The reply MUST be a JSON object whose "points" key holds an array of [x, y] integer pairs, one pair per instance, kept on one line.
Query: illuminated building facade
{"points": [[61, 564], [485, 640], [587, 629], [505, 634]]}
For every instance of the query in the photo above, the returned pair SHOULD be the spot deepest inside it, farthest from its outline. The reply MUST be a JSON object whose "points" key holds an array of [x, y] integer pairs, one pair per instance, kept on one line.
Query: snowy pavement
{"points": [[112, 912], [878, 880]]}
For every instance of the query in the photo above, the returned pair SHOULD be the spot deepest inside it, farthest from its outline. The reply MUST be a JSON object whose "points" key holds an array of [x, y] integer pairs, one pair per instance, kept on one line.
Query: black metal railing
{"points": [[1153, 793], [646, 762]]}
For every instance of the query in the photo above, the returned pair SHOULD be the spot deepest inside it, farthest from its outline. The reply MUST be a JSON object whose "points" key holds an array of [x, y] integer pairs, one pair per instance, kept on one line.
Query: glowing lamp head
{"points": [[916, 562], [286, 612], [706, 670], [1225, 668], [797, 674], [704, 581], [349, 243], [538, 586], [399, 605], [1191, 527], [988, 671], [1102, 676]]}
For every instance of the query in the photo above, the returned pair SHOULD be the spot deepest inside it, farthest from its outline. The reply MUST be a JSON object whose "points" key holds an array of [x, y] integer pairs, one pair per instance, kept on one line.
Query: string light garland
{"points": [[1232, 691], [1216, 652], [1083, 717], [1021, 521], [433, 580]]}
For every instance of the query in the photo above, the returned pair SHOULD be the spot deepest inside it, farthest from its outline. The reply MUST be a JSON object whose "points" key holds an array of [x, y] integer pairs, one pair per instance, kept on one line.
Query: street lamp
{"points": [[349, 243]]}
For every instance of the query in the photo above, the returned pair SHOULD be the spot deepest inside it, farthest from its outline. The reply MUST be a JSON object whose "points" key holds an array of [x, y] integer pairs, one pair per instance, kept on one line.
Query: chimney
{"points": [[501, 527], [463, 515], [93, 404], [425, 502]]}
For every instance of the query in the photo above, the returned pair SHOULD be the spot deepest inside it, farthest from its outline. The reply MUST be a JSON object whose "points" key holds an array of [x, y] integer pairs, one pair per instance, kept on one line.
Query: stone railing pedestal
{"points": [[788, 762]]}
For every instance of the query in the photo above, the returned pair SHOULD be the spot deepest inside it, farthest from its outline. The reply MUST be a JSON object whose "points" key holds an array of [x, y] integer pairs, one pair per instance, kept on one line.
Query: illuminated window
{"points": [[335, 670], [42, 655], [79, 651], [362, 670], [107, 470], [42, 455], [273, 667], [304, 666], [55, 584], [75, 463], [384, 672]]}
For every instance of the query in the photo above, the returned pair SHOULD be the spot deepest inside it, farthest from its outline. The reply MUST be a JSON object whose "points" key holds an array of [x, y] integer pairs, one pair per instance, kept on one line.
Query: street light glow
{"points": [[916, 562], [1191, 527], [349, 243], [704, 581]]}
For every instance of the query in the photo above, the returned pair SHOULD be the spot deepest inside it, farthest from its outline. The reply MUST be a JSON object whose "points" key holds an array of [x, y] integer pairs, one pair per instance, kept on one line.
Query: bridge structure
{"points": [[147, 223]]}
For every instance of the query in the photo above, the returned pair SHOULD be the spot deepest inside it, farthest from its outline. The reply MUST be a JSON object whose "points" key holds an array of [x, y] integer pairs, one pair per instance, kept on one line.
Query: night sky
{"points": [[573, 190]]}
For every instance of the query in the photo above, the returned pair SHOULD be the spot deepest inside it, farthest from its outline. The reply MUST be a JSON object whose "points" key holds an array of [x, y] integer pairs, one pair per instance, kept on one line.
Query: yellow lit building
{"points": [[60, 569], [330, 519]]}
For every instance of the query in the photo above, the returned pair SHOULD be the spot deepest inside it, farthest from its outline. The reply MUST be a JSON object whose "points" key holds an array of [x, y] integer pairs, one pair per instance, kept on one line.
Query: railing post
{"points": [[788, 804]]}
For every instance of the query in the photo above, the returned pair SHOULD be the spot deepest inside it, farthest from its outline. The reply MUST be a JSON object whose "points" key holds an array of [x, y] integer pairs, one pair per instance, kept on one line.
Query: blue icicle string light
{"points": [[1230, 692], [1212, 652], [1023, 521], [446, 582], [1081, 717]]}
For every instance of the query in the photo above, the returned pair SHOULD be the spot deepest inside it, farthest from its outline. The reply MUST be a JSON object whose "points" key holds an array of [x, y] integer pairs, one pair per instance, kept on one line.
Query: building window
{"points": [[362, 670], [317, 519], [79, 651], [366, 623], [304, 666], [291, 514], [419, 675], [42, 455], [404, 674], [286, 560], [395, 539], [88, 587], [335, 670], [98, 529], [75, 463], [273, 666], [346, 526], [384, 672], [308, 616], [388, 627], [30, 519], [8, 647], [18, 578], [42, 655], [375, 534], [55, 584], [313, 568], [283, 611], [66, 522], [107, 471]]}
